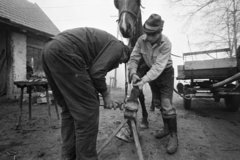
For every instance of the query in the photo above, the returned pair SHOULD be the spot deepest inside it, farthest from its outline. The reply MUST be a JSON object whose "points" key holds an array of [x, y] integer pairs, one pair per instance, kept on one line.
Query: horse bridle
{"points": [[133, 14]]}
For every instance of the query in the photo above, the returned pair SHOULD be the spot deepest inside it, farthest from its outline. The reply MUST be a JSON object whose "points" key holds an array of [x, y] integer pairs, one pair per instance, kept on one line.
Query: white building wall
{"points": [[19, 54]]}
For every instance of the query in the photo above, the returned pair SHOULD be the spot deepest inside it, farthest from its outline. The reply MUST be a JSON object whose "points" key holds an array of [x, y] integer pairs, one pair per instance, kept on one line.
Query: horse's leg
{"points": [[141, 71], [154, 93], [152, 107], [144, 122]]}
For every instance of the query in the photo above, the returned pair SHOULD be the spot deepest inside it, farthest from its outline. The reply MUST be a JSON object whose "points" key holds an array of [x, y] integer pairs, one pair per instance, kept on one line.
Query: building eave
{"points": [[24, 28]]}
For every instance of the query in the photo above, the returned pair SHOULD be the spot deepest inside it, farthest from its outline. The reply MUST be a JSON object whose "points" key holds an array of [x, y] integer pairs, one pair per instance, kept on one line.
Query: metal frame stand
{"points": [[130, 118]]}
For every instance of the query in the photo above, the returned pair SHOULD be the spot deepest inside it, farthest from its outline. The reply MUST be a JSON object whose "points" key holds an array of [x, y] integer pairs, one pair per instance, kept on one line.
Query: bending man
{"points": [[76, 62]]}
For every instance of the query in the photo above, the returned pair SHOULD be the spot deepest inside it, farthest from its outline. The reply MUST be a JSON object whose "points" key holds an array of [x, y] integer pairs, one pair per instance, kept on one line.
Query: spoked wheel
{"points": [[187, 100], [232, 103]]}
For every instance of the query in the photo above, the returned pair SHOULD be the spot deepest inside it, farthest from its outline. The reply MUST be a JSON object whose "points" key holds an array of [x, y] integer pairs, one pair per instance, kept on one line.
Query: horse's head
{"points": [[128, 16]]}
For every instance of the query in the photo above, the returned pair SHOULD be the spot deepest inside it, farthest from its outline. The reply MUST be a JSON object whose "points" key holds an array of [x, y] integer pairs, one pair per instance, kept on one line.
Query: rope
{"points": [[176, 56], [126, 84], [184, 97]]}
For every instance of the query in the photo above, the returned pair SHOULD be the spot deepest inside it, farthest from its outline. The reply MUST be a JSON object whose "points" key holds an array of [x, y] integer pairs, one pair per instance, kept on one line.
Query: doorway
{"points": [[3, 62]]}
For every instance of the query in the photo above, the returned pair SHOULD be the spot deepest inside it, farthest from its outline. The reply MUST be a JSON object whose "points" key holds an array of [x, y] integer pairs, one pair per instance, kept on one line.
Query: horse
{"points": [[130, 26]]}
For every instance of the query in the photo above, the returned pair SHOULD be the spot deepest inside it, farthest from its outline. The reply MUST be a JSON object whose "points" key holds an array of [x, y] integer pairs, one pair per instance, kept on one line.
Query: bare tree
{"points": [[219, 20]]}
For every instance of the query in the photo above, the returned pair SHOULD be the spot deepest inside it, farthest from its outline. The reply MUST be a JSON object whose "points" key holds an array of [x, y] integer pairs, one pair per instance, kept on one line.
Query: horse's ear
{"points": [[140, 4], [116, 3]]}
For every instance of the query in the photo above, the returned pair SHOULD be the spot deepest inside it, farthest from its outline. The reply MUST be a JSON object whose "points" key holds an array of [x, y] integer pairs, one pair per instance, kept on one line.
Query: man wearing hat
{"points": [[76, 62], [155, 48]]}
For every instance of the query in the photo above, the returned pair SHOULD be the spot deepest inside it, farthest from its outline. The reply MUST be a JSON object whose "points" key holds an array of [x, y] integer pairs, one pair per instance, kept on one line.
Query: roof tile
{"points": [[27, 14]]}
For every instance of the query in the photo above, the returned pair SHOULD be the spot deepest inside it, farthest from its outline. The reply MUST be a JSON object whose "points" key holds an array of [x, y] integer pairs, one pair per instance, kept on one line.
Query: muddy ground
{"points": [[206, 132]]}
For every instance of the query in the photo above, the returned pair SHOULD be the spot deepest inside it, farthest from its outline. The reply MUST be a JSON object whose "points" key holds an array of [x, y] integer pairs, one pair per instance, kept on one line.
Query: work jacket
{"points": [[100, 51], [157, 57]]}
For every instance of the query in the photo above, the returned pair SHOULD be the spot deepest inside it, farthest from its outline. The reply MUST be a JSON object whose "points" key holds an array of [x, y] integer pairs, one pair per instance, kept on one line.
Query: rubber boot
{"points": [[173, 139], [164, 131]]}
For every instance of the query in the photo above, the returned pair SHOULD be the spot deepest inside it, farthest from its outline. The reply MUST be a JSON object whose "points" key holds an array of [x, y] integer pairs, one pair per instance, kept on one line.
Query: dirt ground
{"points": [[206, 132]]}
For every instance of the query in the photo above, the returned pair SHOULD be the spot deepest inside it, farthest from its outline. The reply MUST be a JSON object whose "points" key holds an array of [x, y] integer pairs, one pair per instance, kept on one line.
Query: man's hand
{"points": [[139, 84], [109, 103], [135, 78]]}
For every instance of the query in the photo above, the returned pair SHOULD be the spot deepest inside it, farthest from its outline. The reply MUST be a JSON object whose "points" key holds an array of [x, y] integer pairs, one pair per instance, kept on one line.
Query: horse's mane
{"points": [[238, 52], [138, 2]]}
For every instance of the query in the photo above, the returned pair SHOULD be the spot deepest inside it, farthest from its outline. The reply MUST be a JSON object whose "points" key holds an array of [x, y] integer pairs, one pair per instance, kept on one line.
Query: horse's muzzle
{"points": [[126, 33]]}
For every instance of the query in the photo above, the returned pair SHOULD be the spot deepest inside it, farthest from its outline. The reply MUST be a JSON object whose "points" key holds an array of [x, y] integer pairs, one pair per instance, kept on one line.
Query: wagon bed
{"points": [[210, 74], [216, 67]]}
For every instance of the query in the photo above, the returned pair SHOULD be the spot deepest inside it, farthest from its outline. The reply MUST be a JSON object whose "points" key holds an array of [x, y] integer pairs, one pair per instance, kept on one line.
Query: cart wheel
{"points": [[232, 103], [216, 97], [187, 102]]}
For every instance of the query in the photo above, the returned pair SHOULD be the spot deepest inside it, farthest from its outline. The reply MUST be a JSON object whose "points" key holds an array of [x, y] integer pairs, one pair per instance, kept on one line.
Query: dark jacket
{"points": [[100, 50]]}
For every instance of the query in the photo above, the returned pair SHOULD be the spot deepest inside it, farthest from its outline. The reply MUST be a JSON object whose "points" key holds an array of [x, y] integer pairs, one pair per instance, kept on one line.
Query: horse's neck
{"points": [[139, 31], [139, 26]]}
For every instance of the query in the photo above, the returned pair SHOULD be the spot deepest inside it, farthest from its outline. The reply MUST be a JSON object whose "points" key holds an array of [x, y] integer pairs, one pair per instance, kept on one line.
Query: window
{"points": [[33, 58]]}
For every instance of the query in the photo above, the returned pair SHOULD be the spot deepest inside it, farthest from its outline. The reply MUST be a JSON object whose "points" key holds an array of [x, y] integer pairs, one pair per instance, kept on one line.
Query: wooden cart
{"points": [[210, 74]]}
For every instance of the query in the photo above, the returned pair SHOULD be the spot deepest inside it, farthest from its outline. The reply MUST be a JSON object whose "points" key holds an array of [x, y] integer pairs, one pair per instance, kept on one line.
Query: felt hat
{"points": [[153, 24]]}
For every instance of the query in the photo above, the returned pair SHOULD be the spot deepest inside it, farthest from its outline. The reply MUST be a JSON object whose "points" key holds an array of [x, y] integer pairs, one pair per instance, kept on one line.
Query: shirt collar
{"points": [[159, 41]]}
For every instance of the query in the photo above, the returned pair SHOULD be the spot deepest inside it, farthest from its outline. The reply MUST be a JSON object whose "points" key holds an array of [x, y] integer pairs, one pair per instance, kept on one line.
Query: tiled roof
{"points": [[24, 13]]}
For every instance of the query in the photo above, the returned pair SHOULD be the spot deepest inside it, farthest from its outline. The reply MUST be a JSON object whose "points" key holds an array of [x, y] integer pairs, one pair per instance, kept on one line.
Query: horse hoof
{"points": [[132, 106], [143, 125]]}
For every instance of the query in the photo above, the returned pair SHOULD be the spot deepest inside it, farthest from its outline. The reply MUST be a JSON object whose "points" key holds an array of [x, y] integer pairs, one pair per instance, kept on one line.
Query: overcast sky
{"points": [[102, 14]]}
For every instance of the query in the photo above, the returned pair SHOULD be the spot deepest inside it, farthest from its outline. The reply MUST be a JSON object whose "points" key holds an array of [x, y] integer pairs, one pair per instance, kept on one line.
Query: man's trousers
{"points": [[74, 92], [162, 89]]}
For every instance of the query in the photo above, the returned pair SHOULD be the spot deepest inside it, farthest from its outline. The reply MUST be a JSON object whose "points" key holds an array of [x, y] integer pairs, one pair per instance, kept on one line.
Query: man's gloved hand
{"points": [[139, 84], [109, 103], [135, 78]]}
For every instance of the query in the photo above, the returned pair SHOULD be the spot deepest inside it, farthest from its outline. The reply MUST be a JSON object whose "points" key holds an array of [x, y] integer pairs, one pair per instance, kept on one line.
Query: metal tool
{"points": [[130, 117], [120, 105]]}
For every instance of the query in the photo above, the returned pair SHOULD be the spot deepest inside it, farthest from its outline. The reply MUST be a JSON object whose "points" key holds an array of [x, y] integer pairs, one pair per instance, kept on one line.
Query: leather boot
{"points": [[164, 131], [173, 139]]}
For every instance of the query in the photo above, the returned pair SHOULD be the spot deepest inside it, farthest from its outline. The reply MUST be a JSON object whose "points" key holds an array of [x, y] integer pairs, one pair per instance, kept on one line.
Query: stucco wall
{"points": [[19, 54]]}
